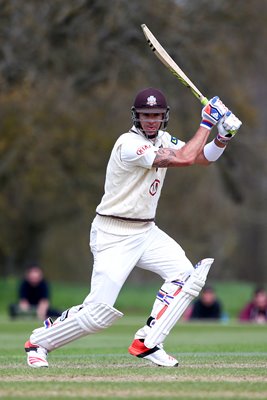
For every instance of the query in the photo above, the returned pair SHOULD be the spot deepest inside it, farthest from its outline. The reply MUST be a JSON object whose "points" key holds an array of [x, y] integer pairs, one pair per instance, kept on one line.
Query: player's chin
{"points": [[151, 132]]}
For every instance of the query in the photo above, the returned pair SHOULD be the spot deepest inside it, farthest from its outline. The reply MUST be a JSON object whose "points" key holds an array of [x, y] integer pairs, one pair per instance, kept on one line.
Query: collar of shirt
{"points": [[156, 142]]}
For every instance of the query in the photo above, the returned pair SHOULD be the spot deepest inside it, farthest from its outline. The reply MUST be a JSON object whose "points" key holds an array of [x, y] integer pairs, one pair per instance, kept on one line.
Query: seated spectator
{"points": [[207, 306], [33, 297], [256, 309]]}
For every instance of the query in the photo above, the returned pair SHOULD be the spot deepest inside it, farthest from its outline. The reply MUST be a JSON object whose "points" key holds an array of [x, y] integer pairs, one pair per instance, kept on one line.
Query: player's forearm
{"points": [[185, 156], [193, 149], [202, 160]]}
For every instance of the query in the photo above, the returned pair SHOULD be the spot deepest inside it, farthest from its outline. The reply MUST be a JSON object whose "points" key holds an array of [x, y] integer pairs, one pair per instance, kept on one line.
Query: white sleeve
{"points": [[173, 142], [139, 154]]}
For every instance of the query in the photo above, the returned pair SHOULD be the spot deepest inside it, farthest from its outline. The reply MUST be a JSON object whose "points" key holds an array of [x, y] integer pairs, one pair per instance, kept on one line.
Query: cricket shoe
{"points": [[36, 355], [157, 355]]}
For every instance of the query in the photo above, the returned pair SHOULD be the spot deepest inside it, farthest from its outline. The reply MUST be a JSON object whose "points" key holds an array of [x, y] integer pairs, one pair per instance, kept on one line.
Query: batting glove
{"points": [[227, 127], [212, 113]]}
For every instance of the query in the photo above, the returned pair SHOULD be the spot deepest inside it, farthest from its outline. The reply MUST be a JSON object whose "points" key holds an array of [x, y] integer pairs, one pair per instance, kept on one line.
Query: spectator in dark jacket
{"points": [[207, 306], [33, 296], [256, 309]]}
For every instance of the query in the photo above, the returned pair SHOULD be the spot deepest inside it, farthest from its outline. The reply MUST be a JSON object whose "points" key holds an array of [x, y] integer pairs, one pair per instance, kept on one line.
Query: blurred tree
{"points": [[68, 73]]}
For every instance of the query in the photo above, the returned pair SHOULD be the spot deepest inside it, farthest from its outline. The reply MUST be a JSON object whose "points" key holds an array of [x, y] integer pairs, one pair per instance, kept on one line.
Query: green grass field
{"points": [[217, 361]]}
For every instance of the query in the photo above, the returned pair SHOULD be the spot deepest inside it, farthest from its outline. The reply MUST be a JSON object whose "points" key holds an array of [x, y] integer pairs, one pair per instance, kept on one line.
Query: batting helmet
{"points": [[150, 100]]}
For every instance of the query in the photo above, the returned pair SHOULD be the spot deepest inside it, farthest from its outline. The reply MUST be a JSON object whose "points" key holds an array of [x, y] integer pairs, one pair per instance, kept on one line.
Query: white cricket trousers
{"points": [[115, 256]]}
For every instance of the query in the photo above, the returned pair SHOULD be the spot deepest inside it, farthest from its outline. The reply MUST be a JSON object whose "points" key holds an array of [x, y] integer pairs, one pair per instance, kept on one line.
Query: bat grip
{"points": [[204, 100]]}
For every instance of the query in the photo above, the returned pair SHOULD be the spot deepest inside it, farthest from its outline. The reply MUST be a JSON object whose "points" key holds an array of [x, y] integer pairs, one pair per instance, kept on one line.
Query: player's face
{"points": [[150, 122]]}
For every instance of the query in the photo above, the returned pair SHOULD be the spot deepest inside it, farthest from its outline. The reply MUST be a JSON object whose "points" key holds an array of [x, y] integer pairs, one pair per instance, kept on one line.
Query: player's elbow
{"points": [[190, 159], [197, 160], [201, 160], [205, 162]]}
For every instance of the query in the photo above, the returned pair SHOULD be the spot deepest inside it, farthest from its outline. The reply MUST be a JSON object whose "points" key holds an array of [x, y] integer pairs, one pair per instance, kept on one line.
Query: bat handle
{"points": [[203, 100]]}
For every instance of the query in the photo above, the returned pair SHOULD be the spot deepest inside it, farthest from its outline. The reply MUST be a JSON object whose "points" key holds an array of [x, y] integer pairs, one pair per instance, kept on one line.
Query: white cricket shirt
{"points": [[132, 185]]}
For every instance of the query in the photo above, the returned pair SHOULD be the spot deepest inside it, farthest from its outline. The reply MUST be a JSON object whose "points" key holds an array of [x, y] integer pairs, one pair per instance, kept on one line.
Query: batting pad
{"points": [[179, 304], [90, 319]]}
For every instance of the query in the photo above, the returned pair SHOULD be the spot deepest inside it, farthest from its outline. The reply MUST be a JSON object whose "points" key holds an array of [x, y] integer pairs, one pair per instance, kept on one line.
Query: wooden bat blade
{"points": [[165, 58]]}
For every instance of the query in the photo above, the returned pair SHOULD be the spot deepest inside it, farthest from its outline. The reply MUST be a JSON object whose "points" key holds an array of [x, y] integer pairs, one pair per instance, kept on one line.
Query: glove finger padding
{"points": [[228, 127], [213, 112]]}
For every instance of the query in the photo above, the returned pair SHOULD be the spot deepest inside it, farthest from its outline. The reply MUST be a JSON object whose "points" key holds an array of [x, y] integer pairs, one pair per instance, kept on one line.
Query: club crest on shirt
{"points": [[142, 149], [154, 187], [174, 140]]}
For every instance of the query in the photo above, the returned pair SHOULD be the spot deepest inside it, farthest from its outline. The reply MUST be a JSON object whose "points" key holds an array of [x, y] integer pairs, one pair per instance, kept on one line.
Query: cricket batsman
{"points": [[124, 233]]}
